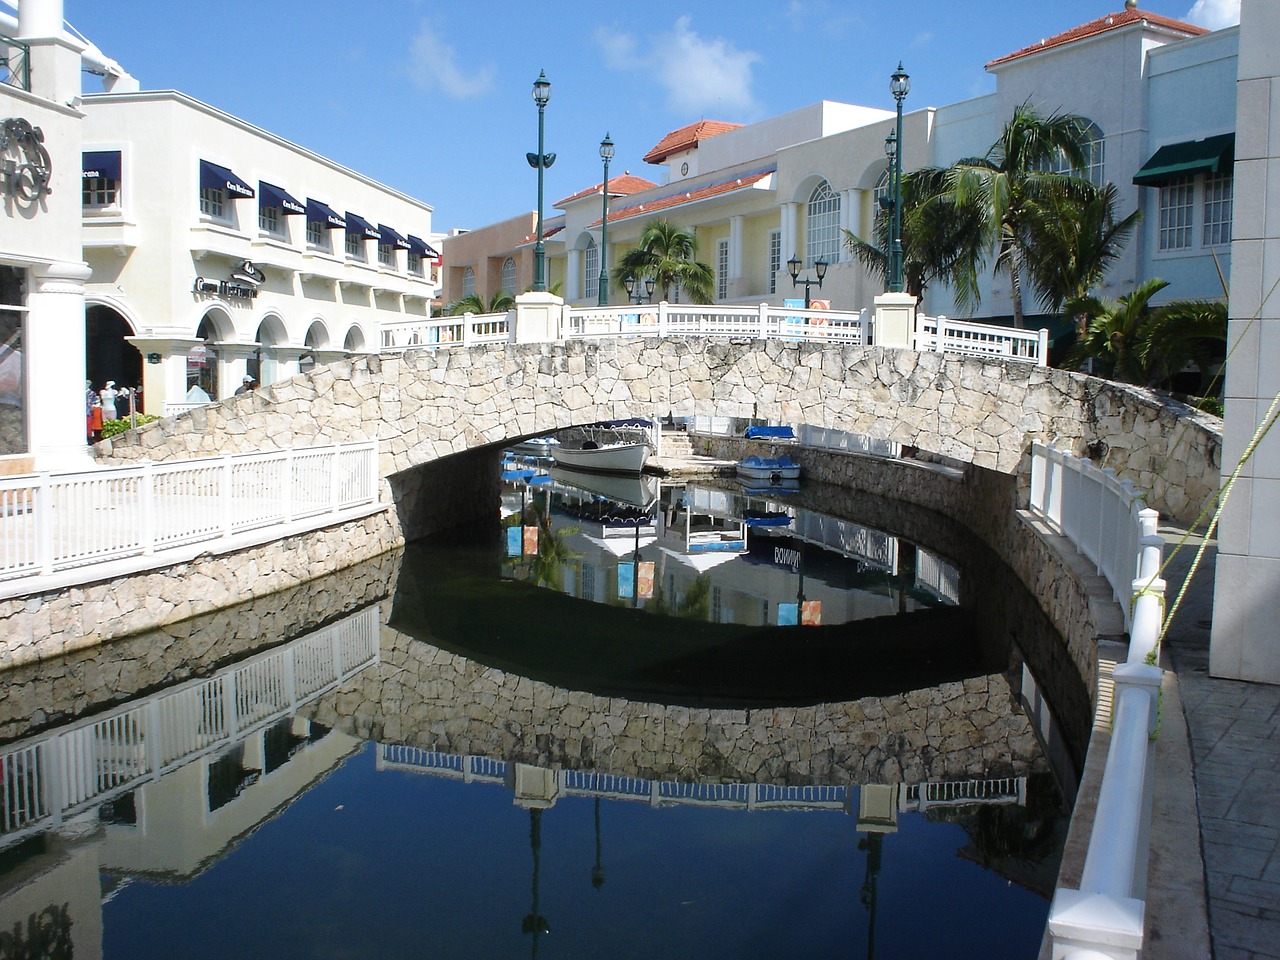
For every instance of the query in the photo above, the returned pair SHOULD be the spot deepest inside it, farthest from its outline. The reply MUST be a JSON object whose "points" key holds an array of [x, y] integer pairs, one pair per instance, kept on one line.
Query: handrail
{"points": [[943, 335], [55, 521], [1107, 521]]}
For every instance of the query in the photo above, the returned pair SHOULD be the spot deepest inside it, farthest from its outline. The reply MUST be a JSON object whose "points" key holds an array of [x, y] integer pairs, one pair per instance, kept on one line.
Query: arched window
{"points": [[509, 276], [468, 282], [1095, 155], [822, 236], [591, 271], [881, 191]]}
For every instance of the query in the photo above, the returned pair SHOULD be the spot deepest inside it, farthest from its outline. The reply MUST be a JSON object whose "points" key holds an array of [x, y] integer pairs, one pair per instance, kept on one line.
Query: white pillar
{"points": [[573, 274], [787, 223], [54, 340], [895, 323], [850, 219], [39, 18], [164, 370], [1245, 644]]}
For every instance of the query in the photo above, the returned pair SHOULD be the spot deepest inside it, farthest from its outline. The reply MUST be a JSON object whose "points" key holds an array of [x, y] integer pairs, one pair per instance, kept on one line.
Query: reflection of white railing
{"points": [[872, 547], [1106, 520], [827, 438], [57, 775], [738, 796], [55, 521], [937, 577], [981, 339]]}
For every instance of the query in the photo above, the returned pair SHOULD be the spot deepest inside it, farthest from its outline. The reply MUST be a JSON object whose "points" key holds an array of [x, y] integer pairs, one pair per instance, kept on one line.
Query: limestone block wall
{"points": [[423, 405], [426, 697]]}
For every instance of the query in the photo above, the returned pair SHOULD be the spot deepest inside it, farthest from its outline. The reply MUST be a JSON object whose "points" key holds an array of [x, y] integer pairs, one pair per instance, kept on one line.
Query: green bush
{"points": [[111, 428]]}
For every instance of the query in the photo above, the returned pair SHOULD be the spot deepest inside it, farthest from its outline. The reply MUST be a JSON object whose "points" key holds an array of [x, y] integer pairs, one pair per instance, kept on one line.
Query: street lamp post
{"points": [[899, 86], [819, 268], [540, 161], [606, 154], [634, 292]]}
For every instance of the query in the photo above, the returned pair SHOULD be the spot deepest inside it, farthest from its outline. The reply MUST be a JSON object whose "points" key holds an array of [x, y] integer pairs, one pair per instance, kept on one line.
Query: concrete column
{"points": [[54, 340], [787, 223], [850, 218], [1245, 644], [573, 274], [895, 323], [537, 317], [164, 370]]}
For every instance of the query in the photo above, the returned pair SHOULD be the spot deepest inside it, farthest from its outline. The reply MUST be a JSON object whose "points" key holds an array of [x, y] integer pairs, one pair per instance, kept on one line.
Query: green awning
{"points": [[1210, 155]]}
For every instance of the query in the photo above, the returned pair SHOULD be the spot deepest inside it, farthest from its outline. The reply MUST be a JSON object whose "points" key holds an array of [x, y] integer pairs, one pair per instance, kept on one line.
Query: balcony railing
{"points": [[15, 63], [942, 335]]}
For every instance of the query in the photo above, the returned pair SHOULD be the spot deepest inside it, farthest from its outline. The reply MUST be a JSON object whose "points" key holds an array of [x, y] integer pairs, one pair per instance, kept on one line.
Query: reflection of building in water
{"points": [[168, 784], [723, 556]]}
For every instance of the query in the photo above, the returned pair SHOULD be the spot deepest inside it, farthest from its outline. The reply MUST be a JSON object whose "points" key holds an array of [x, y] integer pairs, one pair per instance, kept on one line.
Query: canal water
{"points": [[617, 720]]}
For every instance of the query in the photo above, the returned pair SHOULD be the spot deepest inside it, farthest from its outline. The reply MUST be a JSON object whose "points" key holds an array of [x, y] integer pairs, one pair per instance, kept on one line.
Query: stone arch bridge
{"points": [[461, 405]]}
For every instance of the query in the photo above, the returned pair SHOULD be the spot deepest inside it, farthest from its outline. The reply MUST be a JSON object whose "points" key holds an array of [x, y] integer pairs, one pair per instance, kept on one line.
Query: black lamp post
{"points": [[540, 161], [634, 293], [899, 85], [606, 154], [819, 267]]}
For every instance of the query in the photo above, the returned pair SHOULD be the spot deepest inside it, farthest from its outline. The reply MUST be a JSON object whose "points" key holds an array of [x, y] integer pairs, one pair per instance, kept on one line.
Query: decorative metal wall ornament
{"points": [[25, 166]]}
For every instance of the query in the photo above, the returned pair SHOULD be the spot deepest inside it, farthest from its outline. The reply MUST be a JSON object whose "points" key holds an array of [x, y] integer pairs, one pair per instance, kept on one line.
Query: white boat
{"points": [[536, 448], [613, 446], [771, 469]]}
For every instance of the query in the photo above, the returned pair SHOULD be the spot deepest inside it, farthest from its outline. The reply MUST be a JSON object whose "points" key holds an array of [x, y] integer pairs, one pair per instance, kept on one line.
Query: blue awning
{"points": [[422, 248], [214, 177], [392, 239], [360, 227], [270, 195], [101, 164], [321, 213]]}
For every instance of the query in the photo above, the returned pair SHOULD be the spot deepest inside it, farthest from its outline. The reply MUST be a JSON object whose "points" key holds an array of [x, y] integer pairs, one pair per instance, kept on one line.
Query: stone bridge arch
{"points": [[426, 405]]}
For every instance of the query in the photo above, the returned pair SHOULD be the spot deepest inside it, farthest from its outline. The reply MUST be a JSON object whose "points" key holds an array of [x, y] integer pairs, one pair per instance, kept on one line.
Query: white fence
{"points": [[50, 778], [466, 330], [941, 335], [763, 322], [55, 521], [1106, 520]]}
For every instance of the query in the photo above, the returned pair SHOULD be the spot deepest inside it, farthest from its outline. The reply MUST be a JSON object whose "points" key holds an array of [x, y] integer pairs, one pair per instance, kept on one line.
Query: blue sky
{"points": [[434, 99]]}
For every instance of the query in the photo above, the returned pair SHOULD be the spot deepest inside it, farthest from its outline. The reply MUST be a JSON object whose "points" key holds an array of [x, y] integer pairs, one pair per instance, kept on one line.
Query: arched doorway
{"points": [[108, 354], [264, 365], [317, 341], [204, 380]]}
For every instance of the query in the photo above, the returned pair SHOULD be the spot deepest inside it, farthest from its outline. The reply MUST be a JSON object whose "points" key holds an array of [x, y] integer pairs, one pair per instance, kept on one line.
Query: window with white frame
{"points": [[880, 193], [775, 259], [591, 270], [822, 231], [386, 255], [355, 246], [271, 221], [318, 236], [1177, 206], [509, 276], [1218, 190], [415, 263], [213, 203], [722, 269], [468, 282], [1094, 146], [100, 192]]}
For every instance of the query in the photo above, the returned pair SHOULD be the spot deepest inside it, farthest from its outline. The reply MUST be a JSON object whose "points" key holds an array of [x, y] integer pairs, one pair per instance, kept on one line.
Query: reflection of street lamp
{"points": [[540, 161], [597, 872], [534, 923], [606, 154], [634, 287], [899, 86], [819, 267]]}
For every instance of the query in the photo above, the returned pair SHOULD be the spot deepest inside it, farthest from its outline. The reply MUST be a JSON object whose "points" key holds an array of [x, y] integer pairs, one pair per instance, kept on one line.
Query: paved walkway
{"points": [[1234, 734]]}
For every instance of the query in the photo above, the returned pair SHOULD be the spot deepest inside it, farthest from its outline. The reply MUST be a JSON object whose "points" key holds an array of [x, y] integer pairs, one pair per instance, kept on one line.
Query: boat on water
{"points": [[613, 446], [770, 469], [536, 448]]}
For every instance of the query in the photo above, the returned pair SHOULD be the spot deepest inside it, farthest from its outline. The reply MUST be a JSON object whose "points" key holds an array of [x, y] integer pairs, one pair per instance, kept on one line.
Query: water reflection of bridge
{"points": [[541, 787]]}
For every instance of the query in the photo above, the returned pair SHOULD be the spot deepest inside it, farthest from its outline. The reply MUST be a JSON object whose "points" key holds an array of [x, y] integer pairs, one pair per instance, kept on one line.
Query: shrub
{"points": [[112, 428]]}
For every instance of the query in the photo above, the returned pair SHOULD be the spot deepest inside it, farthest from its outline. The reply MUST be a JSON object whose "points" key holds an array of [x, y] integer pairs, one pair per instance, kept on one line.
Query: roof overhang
{"points": [[1173, 160]]}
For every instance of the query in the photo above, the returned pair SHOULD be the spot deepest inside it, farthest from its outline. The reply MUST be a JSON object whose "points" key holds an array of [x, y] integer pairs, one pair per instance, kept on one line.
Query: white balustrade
{"points": [[1108, 523], [55, 521], [943, 335]]}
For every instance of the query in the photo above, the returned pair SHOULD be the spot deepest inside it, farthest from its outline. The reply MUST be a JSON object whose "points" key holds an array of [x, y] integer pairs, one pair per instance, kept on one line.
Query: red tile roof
{"points": [[686, 137], [1112, 21], [676, 199], [548, 231], [618, 187]]}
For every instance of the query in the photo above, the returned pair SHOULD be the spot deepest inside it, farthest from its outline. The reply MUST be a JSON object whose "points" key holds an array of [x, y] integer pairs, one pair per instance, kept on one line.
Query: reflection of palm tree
{"points": [[597, 872], [534, 923], [546, 567], [873, 843]]}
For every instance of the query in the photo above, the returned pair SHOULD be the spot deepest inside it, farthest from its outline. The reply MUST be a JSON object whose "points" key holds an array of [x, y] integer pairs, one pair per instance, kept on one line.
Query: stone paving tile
{"points": [[1241, 929], [1244, 861]]}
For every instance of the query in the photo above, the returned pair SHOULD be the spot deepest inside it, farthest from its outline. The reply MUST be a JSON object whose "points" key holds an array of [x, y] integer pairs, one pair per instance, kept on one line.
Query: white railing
{"points": [[465, 330], [55, 521], [1104, 917], [763, 322], [942, 335], [52, 777], [937, 576]]}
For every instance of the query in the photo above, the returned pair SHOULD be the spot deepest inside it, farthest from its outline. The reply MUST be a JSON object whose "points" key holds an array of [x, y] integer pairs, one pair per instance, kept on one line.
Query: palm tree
{"points": [[936, 242], [1131, 341], [500, 302], [1075, 240], [668, 253], [1005, 187]]}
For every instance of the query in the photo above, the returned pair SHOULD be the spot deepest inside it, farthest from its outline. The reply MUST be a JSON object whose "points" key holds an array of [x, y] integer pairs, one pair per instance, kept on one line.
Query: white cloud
{"points": [[702, 76], [432, 66], [1214, 14]]}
